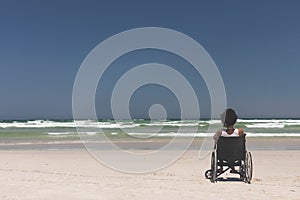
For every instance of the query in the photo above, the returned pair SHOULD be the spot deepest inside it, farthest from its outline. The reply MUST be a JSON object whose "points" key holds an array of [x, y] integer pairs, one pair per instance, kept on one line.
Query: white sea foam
{"points": [[53, 124], [275, 121], [71, 133], [175, 134], [269, 123], [92, 124], [265, 125], [174, 124], [90, 133], [213, 121], [37, 124], [273, 134], [256, 127], [269, 120], [170, 134], [61, 133], [107, 125]]}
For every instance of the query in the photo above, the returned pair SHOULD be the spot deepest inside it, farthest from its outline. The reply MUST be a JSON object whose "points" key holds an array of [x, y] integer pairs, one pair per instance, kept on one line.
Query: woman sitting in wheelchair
{"points": [[228, 118], [230, 150]]}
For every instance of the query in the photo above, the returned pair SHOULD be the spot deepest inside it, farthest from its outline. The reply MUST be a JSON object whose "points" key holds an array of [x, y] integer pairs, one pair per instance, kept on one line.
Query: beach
{"points": [[126, 100], [70, 172]]}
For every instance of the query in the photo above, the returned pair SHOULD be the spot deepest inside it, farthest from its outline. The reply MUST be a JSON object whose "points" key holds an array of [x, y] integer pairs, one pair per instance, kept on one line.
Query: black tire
{"points": [[214, 167], [248, 168], [242, 170]]}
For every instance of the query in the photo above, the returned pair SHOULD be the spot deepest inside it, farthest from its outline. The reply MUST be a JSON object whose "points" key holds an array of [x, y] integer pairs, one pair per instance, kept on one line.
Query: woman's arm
{"points": [[241, 131], [217, 134]]}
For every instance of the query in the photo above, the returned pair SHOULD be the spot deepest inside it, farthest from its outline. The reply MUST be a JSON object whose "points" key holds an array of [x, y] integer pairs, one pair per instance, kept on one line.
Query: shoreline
{"points": [[252, 143]]}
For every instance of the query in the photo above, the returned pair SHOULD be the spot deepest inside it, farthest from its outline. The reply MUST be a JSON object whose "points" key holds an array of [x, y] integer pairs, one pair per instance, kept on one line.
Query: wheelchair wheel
{"points": [[248, 167], [208, 174], [214, 167]]}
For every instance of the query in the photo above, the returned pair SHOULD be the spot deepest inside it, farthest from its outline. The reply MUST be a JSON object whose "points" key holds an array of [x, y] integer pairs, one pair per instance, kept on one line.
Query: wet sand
{"points": [[253, 143]]}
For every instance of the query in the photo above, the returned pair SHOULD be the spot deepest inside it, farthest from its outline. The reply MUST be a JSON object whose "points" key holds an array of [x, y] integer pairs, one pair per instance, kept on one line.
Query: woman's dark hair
{"points": [[228, 117]]}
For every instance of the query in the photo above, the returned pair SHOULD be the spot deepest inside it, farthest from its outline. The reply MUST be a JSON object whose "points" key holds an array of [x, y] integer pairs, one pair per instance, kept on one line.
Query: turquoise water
{"points": [[66, 129]]}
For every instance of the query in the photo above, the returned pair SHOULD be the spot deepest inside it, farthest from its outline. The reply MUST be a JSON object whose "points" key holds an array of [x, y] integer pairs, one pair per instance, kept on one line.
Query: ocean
{"points": [[66, 129]]}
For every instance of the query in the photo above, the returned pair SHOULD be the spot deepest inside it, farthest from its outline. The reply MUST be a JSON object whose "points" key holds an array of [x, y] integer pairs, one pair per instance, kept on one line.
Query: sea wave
{"points": [[273, 134], [93, 124], [73, 124], [265, 125], [269, 123], [174, 134], [257, 127]]}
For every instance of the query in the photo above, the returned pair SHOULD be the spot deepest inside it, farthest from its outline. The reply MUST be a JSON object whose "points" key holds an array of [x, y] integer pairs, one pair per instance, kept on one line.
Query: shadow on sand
{"points": [[229, 179]]}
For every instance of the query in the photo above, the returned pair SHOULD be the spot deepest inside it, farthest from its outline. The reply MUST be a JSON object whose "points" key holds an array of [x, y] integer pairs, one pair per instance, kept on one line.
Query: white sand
{"points": [[76, 175]]}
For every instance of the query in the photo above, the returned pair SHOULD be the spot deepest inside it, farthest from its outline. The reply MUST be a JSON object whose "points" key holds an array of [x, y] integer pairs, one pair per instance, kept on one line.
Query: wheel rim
{"points": [[248, 167], [213, 167]]}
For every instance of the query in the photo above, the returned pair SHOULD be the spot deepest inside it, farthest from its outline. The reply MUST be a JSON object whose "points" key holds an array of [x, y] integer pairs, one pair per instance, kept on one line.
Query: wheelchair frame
{"points": [[230, 152]]}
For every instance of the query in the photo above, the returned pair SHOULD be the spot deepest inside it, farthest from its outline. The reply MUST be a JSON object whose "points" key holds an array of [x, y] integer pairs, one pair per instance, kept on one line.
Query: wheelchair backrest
{"points": [[231, 148]]}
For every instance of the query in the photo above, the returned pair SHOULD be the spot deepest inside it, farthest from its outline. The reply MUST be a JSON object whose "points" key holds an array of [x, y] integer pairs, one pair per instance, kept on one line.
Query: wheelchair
{"points": [[230, 152]]}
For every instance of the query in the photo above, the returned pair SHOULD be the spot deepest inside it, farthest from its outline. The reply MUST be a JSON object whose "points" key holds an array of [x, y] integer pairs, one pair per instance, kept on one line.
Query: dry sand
{"points": [[74, 174]]}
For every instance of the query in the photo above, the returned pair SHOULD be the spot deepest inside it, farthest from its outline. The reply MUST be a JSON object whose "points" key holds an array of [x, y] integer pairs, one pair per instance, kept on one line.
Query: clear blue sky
{"points": [[255, 44]]}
